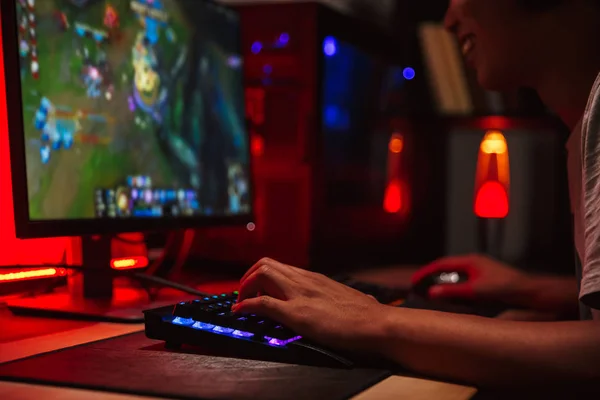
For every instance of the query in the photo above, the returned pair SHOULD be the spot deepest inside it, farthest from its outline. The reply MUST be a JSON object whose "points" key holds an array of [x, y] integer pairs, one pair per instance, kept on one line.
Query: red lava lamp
{"points": [[492, 188]]}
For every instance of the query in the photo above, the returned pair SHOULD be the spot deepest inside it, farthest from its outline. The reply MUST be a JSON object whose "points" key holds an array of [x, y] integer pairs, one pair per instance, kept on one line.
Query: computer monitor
{"points": [[124, 115]]}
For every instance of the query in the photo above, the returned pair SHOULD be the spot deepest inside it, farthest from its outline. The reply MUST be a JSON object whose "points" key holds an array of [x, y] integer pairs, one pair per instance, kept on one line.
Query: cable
{"points": [[184, 251], [136, 275], [171, 284], [156, 264]]}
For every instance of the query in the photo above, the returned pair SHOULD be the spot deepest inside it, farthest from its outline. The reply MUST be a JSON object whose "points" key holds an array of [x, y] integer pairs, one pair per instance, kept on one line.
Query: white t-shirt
{"points": [[584, 188]]}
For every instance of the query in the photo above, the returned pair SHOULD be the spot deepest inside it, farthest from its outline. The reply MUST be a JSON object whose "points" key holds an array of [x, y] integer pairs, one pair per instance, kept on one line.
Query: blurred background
{"points": [[365, 135]]}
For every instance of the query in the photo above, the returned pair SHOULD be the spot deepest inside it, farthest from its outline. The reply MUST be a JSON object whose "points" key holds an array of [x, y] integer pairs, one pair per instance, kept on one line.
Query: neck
{"points": [[566, 90], [568, 68]]}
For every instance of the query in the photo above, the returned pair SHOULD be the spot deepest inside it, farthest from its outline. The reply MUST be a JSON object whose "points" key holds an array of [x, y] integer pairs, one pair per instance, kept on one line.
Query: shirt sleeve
{"points": [[590, 158]]}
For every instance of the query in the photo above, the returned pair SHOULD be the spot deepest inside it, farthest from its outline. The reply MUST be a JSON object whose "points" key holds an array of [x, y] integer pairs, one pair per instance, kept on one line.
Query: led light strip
{"points": [[32, 274]]}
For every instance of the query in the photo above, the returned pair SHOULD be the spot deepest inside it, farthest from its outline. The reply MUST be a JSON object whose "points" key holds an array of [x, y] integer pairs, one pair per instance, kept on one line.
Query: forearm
{"points": [[548, 293], [492, 352]]}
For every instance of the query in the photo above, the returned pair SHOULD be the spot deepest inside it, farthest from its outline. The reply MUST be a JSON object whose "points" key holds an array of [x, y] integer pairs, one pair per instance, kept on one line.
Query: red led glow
{"points": [[12, 250], [392, 201], [257, 145], [491, 201], [495, 122], [129, 263], [31, 274]]}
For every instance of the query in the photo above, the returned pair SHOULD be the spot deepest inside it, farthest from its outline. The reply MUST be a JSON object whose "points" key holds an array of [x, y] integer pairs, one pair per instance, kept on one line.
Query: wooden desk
{"points": [[55, 335], [393, 387]]}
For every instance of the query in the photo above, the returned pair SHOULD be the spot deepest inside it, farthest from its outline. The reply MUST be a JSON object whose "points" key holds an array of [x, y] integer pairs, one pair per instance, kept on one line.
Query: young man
{"points": [[549, 45]]}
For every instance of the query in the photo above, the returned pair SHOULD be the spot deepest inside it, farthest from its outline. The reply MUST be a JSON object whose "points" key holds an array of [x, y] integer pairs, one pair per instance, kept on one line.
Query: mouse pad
{"points": [[135, 364]]}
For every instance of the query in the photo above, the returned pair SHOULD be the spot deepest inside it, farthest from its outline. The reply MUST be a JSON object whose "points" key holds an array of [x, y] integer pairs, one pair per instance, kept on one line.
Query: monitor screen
{"points": [[132, 109]]}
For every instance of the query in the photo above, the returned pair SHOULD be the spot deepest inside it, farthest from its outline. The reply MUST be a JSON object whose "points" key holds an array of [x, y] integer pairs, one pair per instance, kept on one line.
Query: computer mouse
{"points": [[421, 288]]}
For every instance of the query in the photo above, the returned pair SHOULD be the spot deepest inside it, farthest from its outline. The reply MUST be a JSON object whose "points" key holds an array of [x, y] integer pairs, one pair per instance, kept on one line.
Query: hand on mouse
{"points": [[310, 304], [488, 279]]}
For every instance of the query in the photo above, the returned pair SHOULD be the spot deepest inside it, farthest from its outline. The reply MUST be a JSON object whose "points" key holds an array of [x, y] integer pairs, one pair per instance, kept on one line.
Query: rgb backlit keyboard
{"points": [[210, 324], [214, 314]]}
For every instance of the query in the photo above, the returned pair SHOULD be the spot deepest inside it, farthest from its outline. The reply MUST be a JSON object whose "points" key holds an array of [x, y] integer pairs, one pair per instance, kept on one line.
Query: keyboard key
{"points": [[280, 332], [222, 329]]}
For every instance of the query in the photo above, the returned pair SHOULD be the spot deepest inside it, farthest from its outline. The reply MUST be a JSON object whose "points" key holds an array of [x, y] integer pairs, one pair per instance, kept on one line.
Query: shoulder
{"points": [[590, 163], [591, 123]]}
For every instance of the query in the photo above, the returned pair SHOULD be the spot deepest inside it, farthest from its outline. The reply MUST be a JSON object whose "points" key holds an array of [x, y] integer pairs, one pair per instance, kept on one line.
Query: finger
{"points": [[459, 264], [252, 269], [285, 269], [266, 280], [445, 291], [265, 306]]}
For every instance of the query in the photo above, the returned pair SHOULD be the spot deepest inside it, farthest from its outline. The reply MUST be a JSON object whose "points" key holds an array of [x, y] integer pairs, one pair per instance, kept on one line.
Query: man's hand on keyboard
{"points": [[311, 304]]}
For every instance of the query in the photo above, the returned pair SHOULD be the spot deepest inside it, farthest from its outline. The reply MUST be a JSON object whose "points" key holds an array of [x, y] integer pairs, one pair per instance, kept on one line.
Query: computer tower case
{"points": [[341, 179]]}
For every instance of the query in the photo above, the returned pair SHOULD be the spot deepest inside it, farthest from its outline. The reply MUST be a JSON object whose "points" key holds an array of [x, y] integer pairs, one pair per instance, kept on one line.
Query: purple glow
{"points": [[329, 46], [242, 334], [234, 61], [284, 38], [256, 47], [280, 342], [131, 104], [267, 69], [408, 73]]}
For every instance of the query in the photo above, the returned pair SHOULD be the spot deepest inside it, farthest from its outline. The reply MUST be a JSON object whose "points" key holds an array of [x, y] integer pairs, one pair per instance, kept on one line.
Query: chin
{"points": [[497, 81]]}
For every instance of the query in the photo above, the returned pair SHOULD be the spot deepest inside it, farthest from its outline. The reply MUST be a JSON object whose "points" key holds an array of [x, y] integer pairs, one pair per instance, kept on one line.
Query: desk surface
{"points": [[35, 336]]}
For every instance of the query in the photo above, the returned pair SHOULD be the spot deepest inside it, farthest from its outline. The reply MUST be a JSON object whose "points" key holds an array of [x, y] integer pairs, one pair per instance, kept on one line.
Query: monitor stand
{"points": [[92, 293]]}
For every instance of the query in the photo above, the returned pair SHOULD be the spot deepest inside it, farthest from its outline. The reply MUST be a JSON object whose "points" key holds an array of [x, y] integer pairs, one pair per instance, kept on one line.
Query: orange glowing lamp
{"points": [[492, 179], [396, 144], [129, 263]]}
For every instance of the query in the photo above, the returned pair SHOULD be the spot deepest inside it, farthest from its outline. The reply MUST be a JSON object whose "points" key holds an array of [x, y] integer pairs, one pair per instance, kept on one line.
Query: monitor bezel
{"points": [[25, 228]]}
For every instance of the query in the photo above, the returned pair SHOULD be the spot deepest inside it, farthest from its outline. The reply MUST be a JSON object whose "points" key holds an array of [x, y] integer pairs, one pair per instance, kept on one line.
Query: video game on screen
{"points": [[132, 108]]}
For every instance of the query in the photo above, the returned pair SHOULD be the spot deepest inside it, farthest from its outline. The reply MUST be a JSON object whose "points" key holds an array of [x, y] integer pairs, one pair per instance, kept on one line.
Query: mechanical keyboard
{"points": [[209, 323]]}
